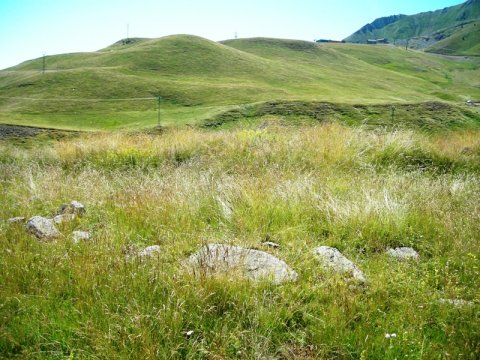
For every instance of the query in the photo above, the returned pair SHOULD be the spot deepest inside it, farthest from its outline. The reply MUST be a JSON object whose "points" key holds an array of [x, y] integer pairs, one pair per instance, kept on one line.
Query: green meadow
{"points": [[196, 79], [359, 148]]}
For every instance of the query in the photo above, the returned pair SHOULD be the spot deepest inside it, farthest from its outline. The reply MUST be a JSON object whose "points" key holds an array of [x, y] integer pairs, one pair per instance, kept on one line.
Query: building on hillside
{"points": [[377, 41], [329, 41]]}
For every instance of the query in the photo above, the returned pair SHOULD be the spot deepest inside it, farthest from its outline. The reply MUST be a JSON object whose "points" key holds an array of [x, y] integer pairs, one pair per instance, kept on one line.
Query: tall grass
{"points": [[359, 190]]}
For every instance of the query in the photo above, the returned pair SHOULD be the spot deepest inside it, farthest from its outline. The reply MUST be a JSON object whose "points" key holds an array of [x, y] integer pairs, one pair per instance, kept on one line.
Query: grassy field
{"points": [[290, 180], [197, 78], [357, 147]]}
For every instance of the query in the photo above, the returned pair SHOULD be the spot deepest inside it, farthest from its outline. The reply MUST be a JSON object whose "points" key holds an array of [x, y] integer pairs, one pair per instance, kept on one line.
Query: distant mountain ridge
{"points": [[378, 24], [435, 31]]}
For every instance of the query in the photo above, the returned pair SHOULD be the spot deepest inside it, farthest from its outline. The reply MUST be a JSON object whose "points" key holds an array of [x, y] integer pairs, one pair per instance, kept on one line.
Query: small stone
{"points": [[74, 207], [78, 236], [16, 220], [253, 264], [63, 218], [271, 244], [403, 253], [334, 260], [42, 228], [149, 251], [456, 302]]}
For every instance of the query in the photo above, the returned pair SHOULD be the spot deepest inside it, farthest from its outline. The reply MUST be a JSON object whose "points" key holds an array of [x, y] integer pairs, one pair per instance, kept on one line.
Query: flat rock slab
{"points": [[253, 264], [149, 251], [16, 220], [78, 236], [403, 253], [456, 302], [271, 245], [59, 219], [42, 228], [334, 260]]}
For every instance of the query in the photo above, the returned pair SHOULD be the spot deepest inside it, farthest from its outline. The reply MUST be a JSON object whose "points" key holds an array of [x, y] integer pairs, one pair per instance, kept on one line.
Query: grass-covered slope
{"points": [[196, 78], [302, 187], [429, 27], [464, 41]]}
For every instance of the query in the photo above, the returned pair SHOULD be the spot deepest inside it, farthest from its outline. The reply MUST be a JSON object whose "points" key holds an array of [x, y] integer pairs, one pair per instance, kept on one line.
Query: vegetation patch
{"points": [[361, 190], [429, 116]]}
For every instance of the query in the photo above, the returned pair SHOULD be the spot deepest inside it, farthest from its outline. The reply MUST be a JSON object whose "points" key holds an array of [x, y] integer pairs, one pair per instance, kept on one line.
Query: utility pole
{"points": [[43, 61], [158, 115], [406, 46], [393, 114]]}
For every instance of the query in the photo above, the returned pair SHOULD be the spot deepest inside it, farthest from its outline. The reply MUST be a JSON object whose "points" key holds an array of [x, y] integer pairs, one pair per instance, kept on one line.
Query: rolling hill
{"points": [[197, 79], [452, 30]]}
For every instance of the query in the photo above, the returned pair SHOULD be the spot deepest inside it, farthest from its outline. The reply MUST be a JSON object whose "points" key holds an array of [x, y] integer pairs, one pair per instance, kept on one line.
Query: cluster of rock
{"points": [[223, 259], [44, 228], [256, 265]]}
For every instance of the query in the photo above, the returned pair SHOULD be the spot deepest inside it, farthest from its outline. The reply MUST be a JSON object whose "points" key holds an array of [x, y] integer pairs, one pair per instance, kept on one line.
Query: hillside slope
{"points": [[463, 41], [426, 28], [196, 78]]}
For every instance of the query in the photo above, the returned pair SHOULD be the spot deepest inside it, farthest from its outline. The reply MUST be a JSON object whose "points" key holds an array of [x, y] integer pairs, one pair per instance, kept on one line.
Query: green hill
{"points": [[463, 41], [197, 79], [433, 30]]}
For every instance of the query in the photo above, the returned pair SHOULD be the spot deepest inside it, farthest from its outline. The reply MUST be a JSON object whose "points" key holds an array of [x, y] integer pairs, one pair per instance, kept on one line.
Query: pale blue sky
{"points": [[29, 28]]}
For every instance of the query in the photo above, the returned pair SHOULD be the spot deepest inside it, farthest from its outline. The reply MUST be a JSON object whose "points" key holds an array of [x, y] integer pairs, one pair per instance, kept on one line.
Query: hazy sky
{"points": [[29, 28]]}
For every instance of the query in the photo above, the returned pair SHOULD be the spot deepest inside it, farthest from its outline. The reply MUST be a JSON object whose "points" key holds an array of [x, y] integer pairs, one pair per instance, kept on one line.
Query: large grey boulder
{"points": [[334, 260], [42, 228], [252, 264], [74, 207], [403, 253]]}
